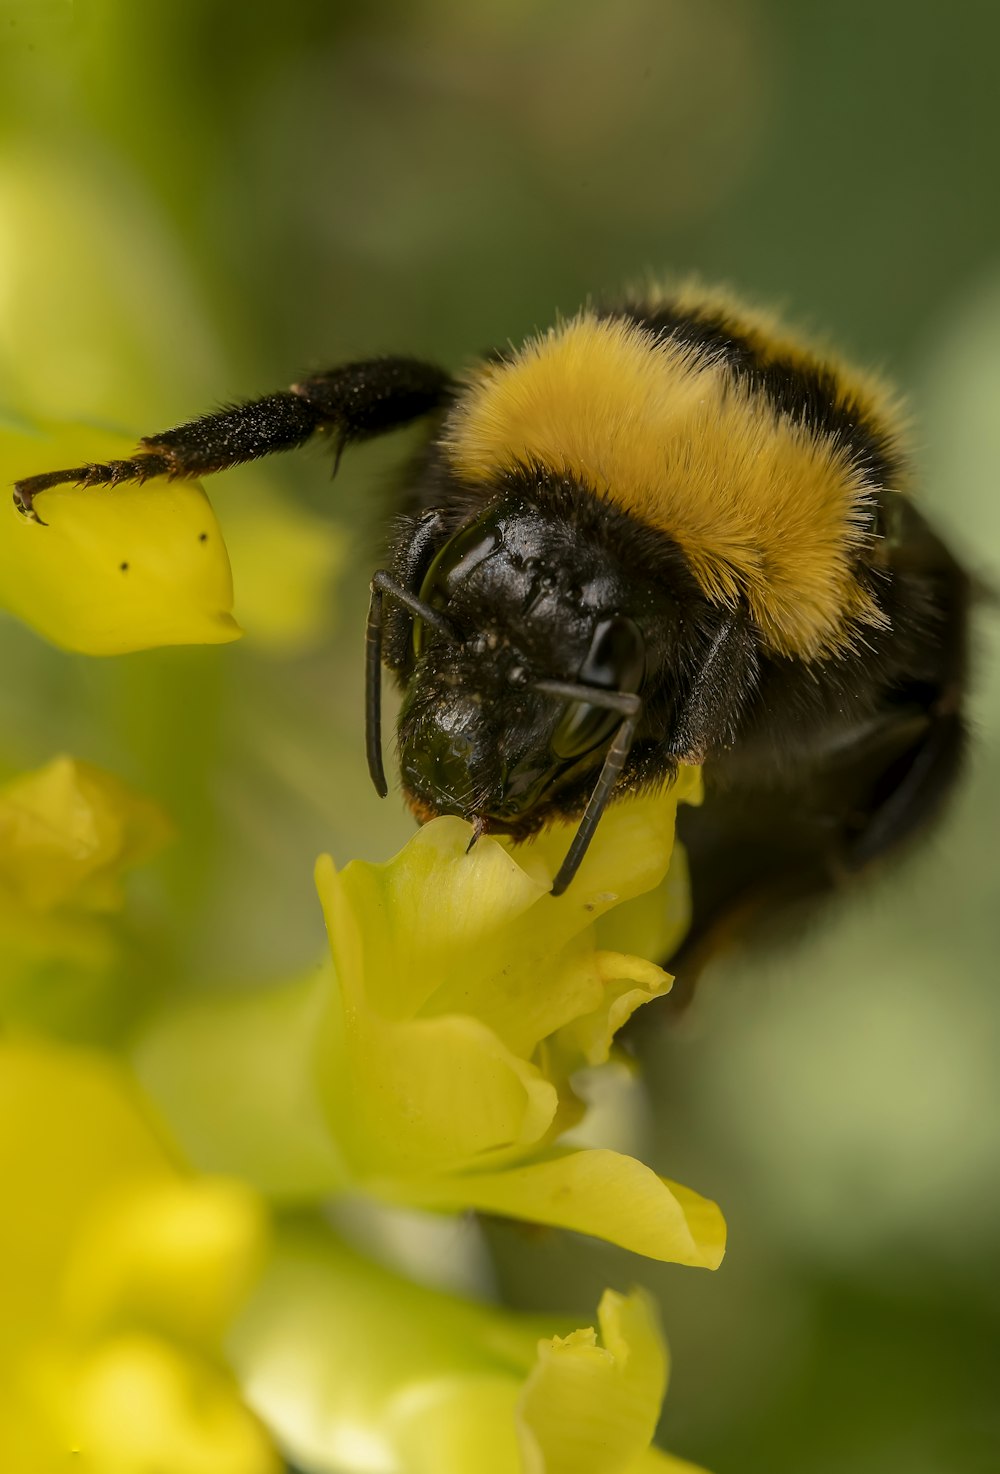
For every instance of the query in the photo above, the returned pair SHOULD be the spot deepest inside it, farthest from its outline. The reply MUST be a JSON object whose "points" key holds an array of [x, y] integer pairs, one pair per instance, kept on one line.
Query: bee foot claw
{"points": [[24, 501]]}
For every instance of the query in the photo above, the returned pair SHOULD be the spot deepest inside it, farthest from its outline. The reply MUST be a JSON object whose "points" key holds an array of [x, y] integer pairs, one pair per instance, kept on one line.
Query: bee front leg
{"points": [[355, 402]]}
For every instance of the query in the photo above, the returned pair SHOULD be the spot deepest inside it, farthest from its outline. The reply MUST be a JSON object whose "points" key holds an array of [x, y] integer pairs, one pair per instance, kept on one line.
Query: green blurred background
{"points": [[198, 200]]}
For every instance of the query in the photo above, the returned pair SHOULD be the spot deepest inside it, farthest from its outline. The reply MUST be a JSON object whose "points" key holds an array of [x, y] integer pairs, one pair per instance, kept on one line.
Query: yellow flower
{"points": [[434, 1065], [591, 1403], [118, 1275], [67, 833], [116, 568], [356, 1369]]}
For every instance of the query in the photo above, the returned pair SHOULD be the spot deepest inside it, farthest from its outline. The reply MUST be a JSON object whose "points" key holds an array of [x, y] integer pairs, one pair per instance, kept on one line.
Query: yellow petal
{"points": [[117, 568], [555, 941], [598, 1192], [139, 1404], [456, 1425], [66, 833], [590, 1408], [69, 1129], [433, 1096], [402, 930], [630, 852], [627, 983], [655, 923], [174, 1254]]}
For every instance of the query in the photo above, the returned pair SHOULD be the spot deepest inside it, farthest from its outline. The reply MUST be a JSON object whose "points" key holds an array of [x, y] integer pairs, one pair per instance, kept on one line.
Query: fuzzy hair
{"points": [[767, 508]]}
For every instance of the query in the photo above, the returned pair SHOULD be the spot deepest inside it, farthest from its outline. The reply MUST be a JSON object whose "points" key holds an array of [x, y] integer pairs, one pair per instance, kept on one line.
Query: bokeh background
{"points": [[198, 200]]}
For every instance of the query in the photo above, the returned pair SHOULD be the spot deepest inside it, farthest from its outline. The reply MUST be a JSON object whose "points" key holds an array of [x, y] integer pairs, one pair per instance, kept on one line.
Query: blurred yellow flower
{"points": [[358, 1370], [118, 1275], [433, 1065], [68, 831], [117, 568]]}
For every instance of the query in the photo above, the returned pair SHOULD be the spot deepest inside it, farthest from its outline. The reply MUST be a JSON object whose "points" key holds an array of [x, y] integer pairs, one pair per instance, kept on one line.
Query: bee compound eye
{"points": [[450, 568], [616, 660]]}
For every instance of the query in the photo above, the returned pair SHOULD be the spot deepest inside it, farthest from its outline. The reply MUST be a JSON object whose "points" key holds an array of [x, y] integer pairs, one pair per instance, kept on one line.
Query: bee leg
{"points": [[913, 792], [109, 473], [764, 864], [353, 403]]}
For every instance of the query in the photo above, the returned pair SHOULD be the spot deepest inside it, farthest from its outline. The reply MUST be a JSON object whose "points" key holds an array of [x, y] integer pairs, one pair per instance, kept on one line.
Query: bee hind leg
{"points": [[765, 865]]}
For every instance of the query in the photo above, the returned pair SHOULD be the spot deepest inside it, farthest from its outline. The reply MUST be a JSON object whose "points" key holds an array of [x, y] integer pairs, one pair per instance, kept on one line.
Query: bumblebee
{"points": [[661, 532]]}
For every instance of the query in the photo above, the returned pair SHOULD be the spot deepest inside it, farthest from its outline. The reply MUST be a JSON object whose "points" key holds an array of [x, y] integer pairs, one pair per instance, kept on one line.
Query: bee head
{"points": [[525, 662]]}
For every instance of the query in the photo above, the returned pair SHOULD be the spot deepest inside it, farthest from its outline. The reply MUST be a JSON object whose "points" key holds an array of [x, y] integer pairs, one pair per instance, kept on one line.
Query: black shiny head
{"points": [[527, 648]]}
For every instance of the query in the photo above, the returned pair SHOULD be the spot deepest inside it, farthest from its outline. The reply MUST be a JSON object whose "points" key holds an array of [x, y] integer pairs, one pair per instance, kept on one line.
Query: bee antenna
{"points": [[614, 762], [373, 691], [384, 585]]}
